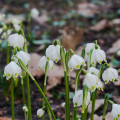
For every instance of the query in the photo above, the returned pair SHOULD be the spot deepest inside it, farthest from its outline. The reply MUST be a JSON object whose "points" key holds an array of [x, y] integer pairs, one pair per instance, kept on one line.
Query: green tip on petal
{"points": [[48, 58], [93, 63], [118, 115], [106, 81], [39, 68], [113, 80], [52, 67], [87, 53], [93, 87], [28, 61], [8, 75], [97, 83], [56, 60], [15, 74], [71, 69], [100, 61], [77, 66]]}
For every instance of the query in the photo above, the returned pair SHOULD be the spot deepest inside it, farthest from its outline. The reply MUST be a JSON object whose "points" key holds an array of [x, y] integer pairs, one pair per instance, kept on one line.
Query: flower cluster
{"points": [[13, 69]]}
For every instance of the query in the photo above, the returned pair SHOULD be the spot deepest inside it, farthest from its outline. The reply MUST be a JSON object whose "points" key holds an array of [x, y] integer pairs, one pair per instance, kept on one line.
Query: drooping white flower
{"points": [[2, 16], [25, 109], [63, 104], [40, 112], [88, 48], [25, 57], [75, 62], [93, 70], [98, 56], [42, 63], [12, 70], [6, 34], [91, 81], [16, 40], [115, 111], [16, 23], [118, 53], [110, 74], [53, 52], [34, 13], [78, 98]]}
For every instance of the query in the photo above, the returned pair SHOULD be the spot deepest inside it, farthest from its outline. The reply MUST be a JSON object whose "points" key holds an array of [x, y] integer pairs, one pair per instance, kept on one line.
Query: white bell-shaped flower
{"points": [[93, 70], [12, 70], [25, 109], [98, 56], [25, 57], [110, 74], [99, 85], [115, 111], [78, 98], [91, 81], [16, 40], [34, 13], [88, 48], [63, 104], [40, 113], [42, 63], [53, 52], [75, 62]]}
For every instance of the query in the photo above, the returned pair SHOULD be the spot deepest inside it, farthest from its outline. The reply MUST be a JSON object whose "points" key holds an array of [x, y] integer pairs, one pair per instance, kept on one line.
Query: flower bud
{"points": [[40, 112], [34, 13], [78, 98], [25, 57], [25, 109], [110, 74], [88, 48], [16, 40], [53, 53], [115, 111], [12, 70], [93, 70], [75, 62], [42, 63]]}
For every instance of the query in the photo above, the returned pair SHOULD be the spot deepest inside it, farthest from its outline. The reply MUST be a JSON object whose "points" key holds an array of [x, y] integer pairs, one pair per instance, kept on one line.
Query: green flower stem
{"points": [[105, 106], [67, 104], [45, 99], [26, 115], [66, 76], [85, 114], [28, 97], [74, 113], [44, 88], [23, 92], [94, 94], [111, 102], [77, 78], [89, 59], [8, 54], [12, 98], [85, 91]]}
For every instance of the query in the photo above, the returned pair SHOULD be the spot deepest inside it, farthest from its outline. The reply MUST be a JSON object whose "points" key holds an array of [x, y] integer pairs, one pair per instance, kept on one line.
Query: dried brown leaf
{"points": [[87, 9], [72, 37]]}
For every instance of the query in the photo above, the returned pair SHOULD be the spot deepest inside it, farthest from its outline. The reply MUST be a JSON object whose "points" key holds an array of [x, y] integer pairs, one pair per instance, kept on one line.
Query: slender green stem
{"points": [[67, 104], [8, 54], [45, 99], [85, 92], [74, 113], [77, 78], [94, 94], [12, 98], [28, 97], [85, 114], [23, 92], [105, 106], [26, 115]]}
